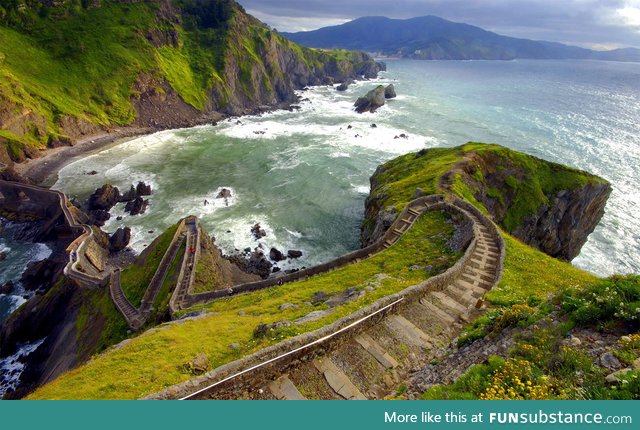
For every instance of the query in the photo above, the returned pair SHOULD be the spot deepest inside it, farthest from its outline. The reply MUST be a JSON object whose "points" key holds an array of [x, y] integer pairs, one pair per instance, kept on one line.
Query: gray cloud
{"points": [[600, 23]]}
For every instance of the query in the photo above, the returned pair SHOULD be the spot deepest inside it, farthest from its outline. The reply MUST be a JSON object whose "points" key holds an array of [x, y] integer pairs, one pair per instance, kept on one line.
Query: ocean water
{"points": [[304, 175], [18, 255]]}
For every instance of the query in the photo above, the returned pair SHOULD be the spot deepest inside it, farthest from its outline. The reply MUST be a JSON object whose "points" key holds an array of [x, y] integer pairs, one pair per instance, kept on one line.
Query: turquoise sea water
{"points": [[304, 175]]}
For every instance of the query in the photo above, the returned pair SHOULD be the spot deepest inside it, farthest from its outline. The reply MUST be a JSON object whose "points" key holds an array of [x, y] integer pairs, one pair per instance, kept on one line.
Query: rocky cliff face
{"points": [[158, 64], [563, 226], [548, 206]]}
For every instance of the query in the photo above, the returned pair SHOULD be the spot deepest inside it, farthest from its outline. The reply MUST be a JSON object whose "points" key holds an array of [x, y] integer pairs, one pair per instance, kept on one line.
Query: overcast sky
{"points": [[597, 24]]}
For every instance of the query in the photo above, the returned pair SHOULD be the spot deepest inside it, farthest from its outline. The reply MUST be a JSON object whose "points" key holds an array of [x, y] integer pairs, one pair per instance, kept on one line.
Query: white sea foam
{"points": [[361, 189], [11, 367]]}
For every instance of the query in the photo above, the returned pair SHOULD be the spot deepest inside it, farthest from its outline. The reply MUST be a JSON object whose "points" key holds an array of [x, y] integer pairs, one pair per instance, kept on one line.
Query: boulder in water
{"points": [[276, 255], [99, 217], [120, 239], [292, 253], [345, 85], [390, 92], [371, 101], [104, 198], [7, 288], [137, 206], [143, 189]]}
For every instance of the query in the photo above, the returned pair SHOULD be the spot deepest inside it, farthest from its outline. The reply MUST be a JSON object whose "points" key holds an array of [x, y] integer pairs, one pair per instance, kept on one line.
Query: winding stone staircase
{"points": [[366, 355]]}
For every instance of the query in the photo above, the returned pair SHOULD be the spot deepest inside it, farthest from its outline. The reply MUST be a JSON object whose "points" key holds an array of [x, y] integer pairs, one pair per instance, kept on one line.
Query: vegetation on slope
{"points": [[136, 278], [155, 360], [531, 182], [72, 68], [544, 365], [549, 206]]}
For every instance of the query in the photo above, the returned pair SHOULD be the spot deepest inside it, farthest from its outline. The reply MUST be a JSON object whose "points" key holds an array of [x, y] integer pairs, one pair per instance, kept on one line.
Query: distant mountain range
{"points": [[434, 38]]}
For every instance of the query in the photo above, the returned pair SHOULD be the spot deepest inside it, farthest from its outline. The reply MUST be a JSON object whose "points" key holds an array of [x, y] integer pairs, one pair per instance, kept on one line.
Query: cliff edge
{"points": [[551, 207]]}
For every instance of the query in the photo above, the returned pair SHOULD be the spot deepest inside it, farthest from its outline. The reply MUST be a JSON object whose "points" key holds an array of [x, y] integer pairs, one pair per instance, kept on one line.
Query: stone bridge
{"points": [[54, 206], [367, 354]]}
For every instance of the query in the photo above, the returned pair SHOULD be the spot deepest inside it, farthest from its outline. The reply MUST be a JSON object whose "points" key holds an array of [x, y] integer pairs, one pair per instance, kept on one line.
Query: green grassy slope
{"points": [[74, 67], [154, 361]]}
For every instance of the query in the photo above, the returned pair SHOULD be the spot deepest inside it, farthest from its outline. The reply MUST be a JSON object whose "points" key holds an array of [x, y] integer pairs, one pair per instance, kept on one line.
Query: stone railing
{"points": [[188, 269], [278, 358], [136, 317]]}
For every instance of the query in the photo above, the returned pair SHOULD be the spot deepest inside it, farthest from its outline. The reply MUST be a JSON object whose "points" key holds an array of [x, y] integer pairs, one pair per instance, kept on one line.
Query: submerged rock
{"points": [[224, 194], [258, 232]]}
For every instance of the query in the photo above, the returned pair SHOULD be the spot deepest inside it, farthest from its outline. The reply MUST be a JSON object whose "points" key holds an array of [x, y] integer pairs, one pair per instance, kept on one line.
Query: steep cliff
{"points": [[73, 69], [551, 207]]}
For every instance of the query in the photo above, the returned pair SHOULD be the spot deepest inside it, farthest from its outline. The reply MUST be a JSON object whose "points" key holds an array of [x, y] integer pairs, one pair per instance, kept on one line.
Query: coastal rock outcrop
{"points": [[264, 77], [104, 198], [120, 239], [371, 101], [548, 206], [256, 264], [390, 92]]}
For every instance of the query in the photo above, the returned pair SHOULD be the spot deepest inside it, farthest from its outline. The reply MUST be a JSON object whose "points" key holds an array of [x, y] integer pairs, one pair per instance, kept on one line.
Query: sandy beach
{"points": [[44, 170]]}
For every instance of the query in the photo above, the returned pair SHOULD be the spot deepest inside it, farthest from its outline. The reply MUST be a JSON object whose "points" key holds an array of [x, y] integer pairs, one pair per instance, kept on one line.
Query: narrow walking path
{"points": [[368, 354]]}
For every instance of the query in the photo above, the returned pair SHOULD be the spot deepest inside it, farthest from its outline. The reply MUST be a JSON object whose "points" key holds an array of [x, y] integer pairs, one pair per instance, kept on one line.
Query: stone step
{"points": [[467, 287], [283, 389], [448, 303], [469, 278], [337, 380], [437, 312], [413, 211], [465, 297], [409, 331], [373, 348], [484, 276]]}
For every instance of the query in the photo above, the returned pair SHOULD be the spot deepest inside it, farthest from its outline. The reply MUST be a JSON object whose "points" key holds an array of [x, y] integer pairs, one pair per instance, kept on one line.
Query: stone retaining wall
{"points": [[349, 258]]}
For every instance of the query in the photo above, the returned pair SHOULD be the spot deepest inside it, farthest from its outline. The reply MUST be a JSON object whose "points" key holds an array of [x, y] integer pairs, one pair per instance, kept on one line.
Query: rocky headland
{"points": [[546, 205]]}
